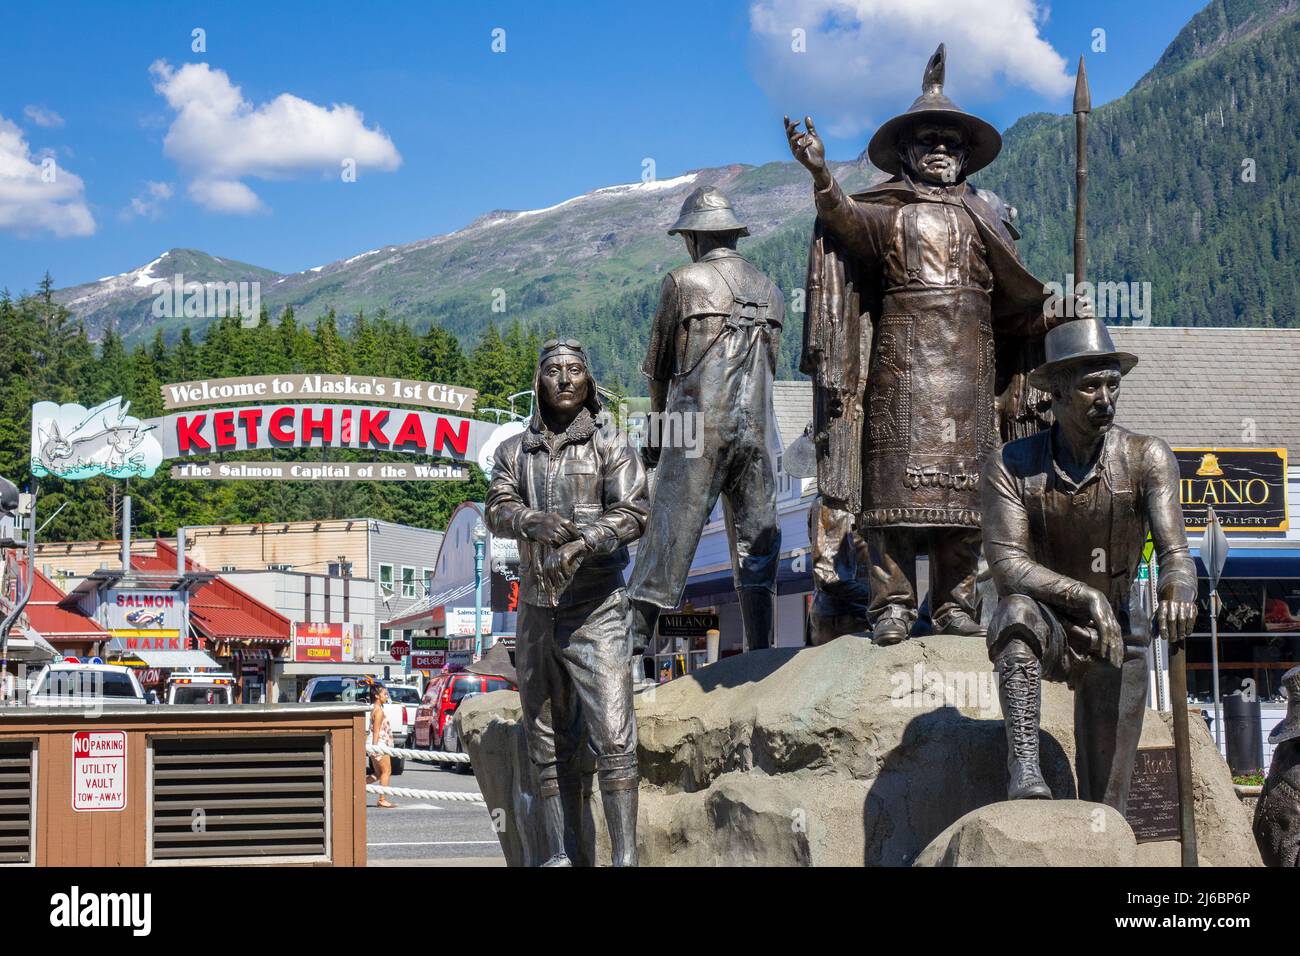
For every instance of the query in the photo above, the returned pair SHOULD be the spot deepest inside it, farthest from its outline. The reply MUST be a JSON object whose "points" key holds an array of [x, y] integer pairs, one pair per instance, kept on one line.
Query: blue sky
{"points": [[446, 129]]}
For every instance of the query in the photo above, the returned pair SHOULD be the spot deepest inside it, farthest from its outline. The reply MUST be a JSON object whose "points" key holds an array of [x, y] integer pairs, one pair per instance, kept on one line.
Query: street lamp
{"points": [[480, 539]]}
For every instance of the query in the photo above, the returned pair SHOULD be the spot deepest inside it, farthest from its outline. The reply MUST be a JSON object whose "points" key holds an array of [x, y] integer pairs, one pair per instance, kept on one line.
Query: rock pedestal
{"points": [[844, 754]]}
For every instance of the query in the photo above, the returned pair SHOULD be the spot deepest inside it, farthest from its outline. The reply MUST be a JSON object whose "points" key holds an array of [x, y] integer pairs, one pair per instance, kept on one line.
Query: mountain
{"points": [[570, 256], [125, 301], [1192, 188]]}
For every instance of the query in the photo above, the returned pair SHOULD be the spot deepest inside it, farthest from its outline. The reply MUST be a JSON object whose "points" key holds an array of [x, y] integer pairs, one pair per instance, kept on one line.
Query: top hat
{"points": [[1078, 341], [707, 209], [1289, 729], [984, 141]]}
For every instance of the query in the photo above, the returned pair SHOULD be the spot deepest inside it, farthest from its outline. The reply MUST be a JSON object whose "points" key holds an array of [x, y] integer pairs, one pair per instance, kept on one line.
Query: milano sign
{"points": [[283, 411]]}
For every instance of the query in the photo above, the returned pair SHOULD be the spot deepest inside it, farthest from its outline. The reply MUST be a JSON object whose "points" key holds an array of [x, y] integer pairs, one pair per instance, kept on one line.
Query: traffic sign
{"points": [[1214, 549], [99, 770], [399, 649]]}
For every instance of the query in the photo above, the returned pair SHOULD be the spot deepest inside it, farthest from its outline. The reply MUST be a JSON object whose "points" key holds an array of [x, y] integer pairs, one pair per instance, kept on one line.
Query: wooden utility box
{"points": [[176, 785]]}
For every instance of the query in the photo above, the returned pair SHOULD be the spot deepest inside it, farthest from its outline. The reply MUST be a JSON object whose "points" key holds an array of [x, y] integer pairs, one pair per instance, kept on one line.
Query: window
{"points": [[408, 582], [428, 581], [227, 567], [385, 640], [340, 569], [386, 578], [277, 567]]}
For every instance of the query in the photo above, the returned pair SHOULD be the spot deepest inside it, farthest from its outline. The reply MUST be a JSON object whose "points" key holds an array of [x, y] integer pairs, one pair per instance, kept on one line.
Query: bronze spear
{"points": [[1082, 107]]}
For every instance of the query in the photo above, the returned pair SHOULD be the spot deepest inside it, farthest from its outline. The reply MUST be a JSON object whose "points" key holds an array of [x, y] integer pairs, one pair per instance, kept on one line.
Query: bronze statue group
{"points": [[954, 416]]}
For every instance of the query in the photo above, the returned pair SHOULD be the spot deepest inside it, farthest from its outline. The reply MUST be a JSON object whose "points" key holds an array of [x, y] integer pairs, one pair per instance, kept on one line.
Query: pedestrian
{"points": [[381, 733]]}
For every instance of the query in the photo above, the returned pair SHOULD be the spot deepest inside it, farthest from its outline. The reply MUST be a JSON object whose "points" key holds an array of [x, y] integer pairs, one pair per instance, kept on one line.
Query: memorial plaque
{"points": [[1153, 797]]}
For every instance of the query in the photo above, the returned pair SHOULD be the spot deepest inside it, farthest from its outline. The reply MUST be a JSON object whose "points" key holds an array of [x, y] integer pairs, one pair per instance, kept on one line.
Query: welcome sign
{"points": [[74, 442]]}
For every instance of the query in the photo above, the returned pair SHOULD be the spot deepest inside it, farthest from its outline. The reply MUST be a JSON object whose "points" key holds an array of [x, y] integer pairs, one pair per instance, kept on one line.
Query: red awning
{"points": [[55, 623]]}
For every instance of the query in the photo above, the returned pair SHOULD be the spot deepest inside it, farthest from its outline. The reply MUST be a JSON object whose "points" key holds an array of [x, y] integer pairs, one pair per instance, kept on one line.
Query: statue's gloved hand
{"points": [[650, 455], [546, 527], [1083, 307], [1176, 618], [562, 563], [1102, 616]]}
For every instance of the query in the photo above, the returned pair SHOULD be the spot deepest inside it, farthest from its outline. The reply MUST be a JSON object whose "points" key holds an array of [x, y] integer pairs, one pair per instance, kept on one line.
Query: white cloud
{"points": [[864, 58], [219, 138], [42, 117], [149, 202], [36, 193]]}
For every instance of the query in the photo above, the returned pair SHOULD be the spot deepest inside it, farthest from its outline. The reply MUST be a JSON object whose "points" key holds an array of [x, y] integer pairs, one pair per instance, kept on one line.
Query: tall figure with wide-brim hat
{"points": [[710, 366], [1066, 514], [1277, 814], [921, 325]]}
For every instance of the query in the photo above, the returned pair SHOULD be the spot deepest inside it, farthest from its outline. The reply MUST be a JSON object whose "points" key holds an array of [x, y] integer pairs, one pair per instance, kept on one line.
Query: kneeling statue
{"points": [[1066, 516]]}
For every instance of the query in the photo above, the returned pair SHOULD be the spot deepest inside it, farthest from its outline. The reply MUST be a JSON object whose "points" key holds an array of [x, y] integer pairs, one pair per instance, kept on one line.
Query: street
{"points": [[428, 832]]}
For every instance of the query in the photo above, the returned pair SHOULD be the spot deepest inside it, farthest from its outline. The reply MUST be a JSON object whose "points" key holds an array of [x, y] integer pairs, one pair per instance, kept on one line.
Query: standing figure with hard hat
{"points": [[710, 364], [921, 325]]}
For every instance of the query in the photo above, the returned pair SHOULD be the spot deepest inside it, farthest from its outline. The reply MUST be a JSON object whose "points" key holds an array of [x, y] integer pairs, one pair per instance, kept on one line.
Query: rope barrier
{"points": [[426, 794], [427, 756]]}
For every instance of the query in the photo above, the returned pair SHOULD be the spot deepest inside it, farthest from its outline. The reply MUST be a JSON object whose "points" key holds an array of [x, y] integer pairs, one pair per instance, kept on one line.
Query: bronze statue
{"points": [[1066, 515], [840, 561], [711, 361], [921, 323], [574, 494], [1277, 815]]}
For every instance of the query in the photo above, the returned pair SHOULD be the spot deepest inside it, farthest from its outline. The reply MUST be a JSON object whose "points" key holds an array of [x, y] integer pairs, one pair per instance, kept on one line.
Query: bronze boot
{"points": [[620, 817], [553, 833], [1020, 692], [756, 617]]}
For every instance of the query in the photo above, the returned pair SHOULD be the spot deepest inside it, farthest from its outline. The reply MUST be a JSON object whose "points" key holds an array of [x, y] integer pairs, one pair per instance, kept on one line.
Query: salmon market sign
{"points": [[290, 411]]}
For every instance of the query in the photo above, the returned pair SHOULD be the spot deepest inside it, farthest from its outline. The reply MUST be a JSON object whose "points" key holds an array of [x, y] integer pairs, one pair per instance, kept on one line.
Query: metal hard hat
{"points": [[1078, 341], [1289, 729], [707, 209], [800, 459], [985, 142]]}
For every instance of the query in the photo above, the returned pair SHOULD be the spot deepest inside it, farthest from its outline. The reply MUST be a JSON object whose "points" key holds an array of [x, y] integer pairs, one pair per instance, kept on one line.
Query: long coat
{"points": [[886, 360]]}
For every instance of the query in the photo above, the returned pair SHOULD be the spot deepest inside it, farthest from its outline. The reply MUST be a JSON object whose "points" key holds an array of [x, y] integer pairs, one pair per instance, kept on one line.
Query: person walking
{"points": [[381, 732]]}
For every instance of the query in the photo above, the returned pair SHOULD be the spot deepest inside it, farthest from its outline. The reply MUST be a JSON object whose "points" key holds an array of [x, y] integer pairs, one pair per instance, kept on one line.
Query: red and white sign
{"points": [[399, 649], [428, 661], [99, 770]]}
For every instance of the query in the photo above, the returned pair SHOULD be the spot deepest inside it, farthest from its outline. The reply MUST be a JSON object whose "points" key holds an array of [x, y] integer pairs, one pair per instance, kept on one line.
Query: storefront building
{"points": [[448, 611]]}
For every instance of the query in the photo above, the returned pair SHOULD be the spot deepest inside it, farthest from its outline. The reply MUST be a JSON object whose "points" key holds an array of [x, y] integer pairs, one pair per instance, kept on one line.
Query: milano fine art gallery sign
{"points": [[1246, 487], [282, 411]]}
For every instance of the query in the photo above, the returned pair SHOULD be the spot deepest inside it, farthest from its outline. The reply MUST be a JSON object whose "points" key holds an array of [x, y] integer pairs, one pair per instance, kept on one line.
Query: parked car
{"points": [[441, 698], [66, 684], [451, 741], [358, 690], [200, 687]]}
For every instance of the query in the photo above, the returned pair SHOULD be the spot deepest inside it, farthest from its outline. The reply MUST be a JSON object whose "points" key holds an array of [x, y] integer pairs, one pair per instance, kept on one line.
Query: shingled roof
{"points": [[1192, 387], [1205, 386]]}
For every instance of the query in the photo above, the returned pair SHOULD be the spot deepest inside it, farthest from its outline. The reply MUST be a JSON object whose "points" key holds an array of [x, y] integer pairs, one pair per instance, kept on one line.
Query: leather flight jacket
{"points": [[589, 475]]}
